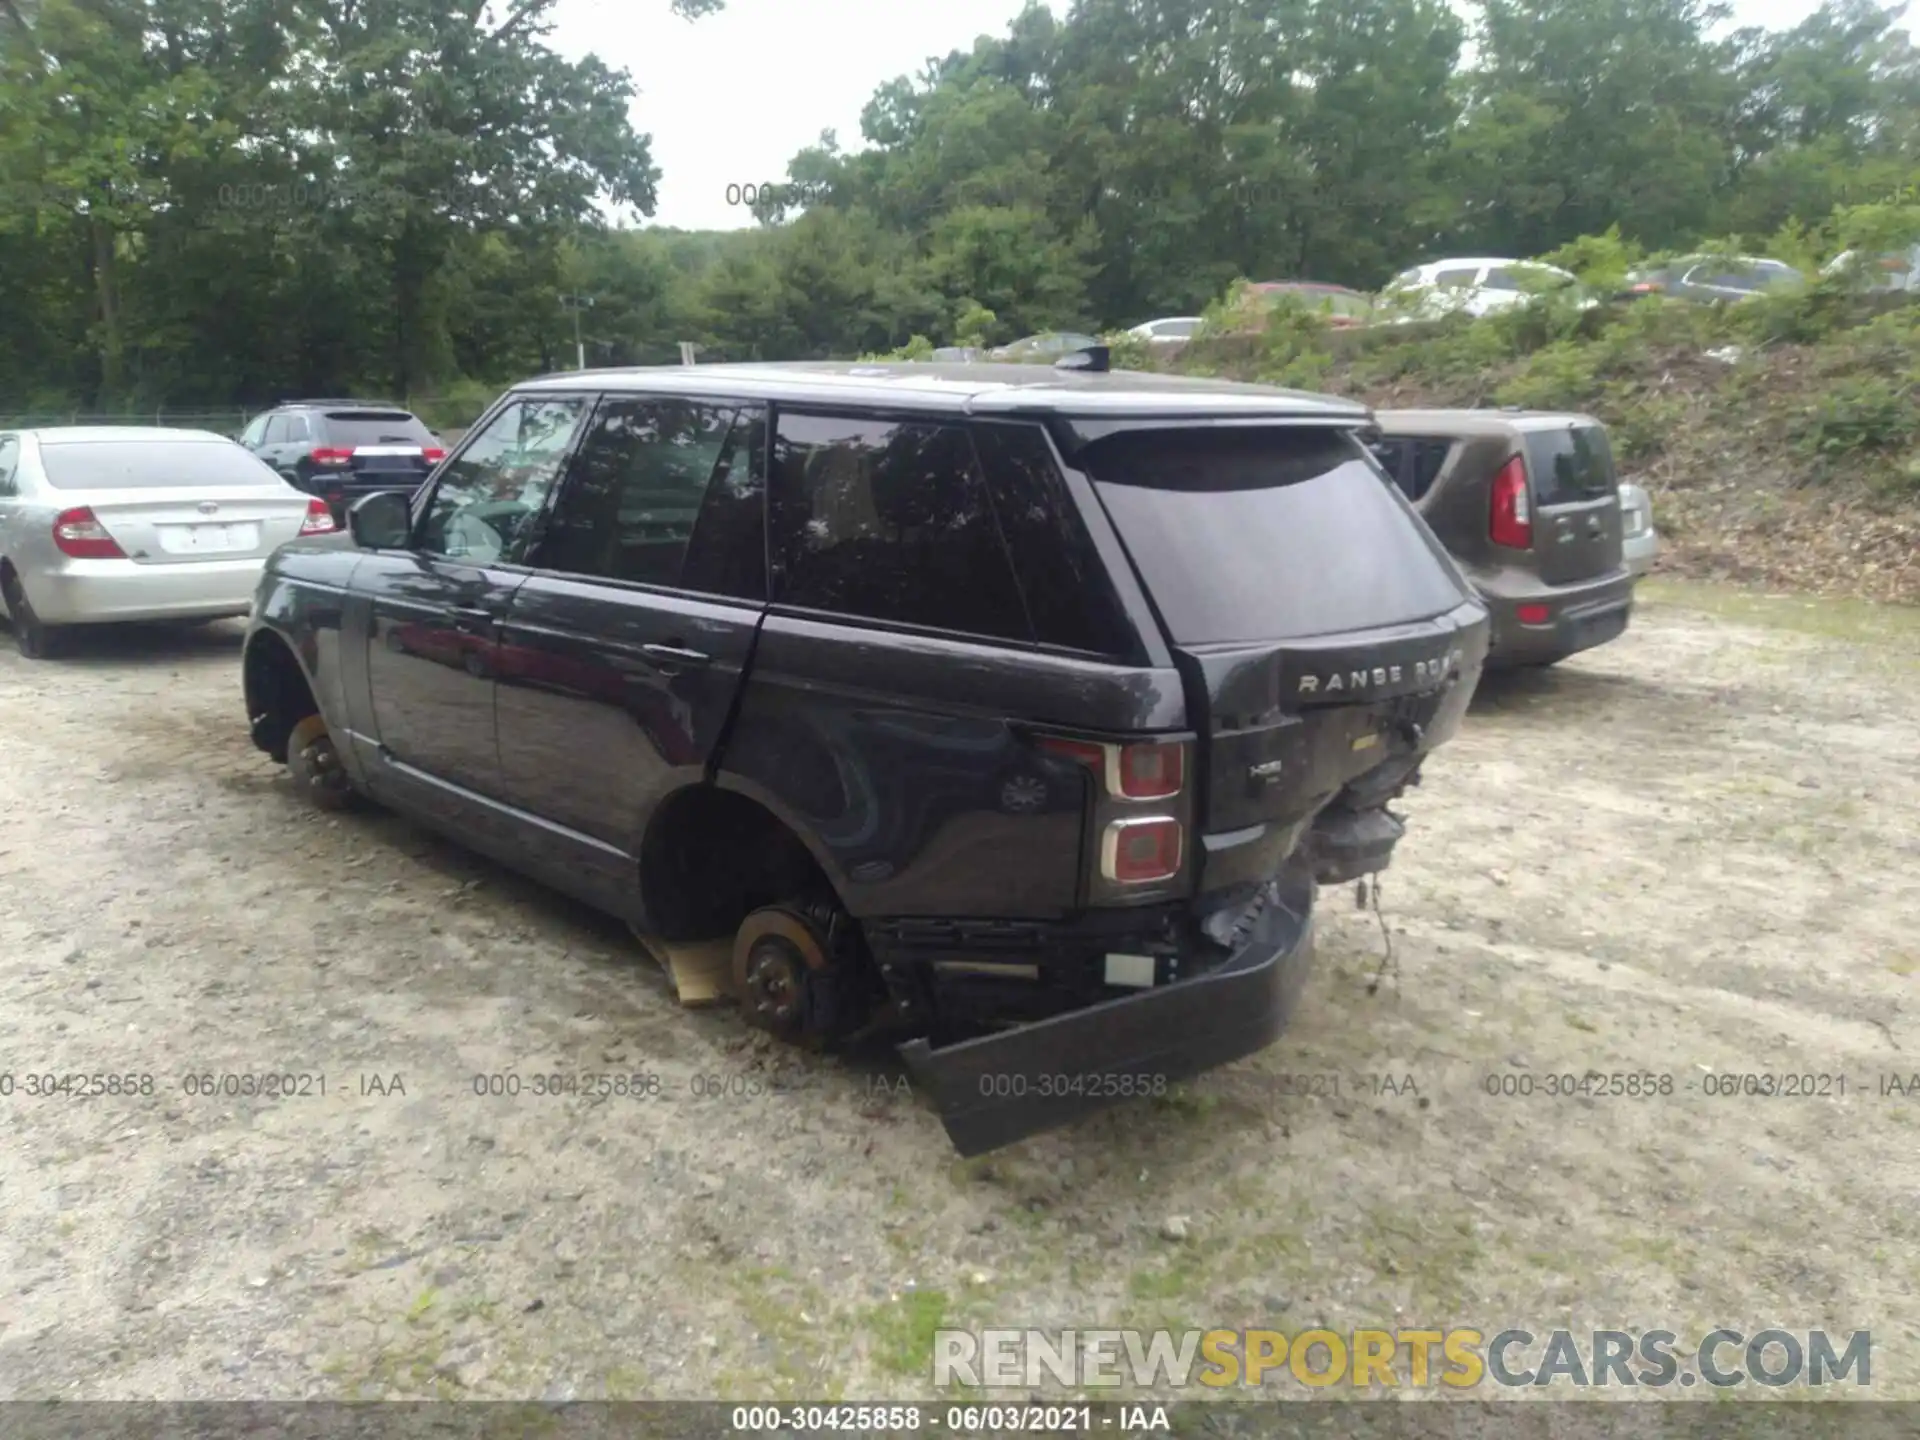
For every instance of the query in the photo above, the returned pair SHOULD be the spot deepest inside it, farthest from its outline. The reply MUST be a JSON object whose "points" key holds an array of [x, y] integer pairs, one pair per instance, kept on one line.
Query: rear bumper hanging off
{"points": [[1000, 1088]]}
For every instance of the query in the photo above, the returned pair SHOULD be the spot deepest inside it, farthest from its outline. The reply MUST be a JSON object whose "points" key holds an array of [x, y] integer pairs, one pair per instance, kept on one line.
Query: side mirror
{"points": [[381, 521]]}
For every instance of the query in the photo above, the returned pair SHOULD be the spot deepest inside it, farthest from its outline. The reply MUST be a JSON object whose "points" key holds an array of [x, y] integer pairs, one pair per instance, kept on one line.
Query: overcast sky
{"points": [[729, 99]]}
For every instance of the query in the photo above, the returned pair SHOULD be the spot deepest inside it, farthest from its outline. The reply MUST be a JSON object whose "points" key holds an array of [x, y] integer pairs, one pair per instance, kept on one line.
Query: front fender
{"points": [[301, 602]]}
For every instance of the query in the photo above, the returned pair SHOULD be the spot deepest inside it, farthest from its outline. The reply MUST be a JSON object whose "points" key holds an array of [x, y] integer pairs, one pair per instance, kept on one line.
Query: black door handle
{"points": [[674, 655]]}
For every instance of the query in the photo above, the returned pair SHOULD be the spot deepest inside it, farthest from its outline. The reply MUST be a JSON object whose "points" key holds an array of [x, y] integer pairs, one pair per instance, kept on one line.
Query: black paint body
{"points": [[550, 719]]}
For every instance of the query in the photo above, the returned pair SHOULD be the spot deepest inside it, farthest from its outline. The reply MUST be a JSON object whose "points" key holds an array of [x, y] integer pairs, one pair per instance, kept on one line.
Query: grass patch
{"points": [[1860, 621], [902, 1331]]}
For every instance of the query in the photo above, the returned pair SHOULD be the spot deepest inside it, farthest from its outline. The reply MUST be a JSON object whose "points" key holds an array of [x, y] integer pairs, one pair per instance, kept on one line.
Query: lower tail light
{"points": [[1143, 850], [1511, 520], [79, 533], [319, 519], [330, 455], [433, 454], [1533, 614]]}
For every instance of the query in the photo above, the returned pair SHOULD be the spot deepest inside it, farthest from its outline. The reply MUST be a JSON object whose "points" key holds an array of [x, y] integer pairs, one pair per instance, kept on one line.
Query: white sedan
{"points": [[1174, 330], [109, 523], [1473, 286]]}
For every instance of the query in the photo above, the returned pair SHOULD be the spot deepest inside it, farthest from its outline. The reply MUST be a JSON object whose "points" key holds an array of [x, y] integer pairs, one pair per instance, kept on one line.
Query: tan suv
{"points": [[1528, 503]]}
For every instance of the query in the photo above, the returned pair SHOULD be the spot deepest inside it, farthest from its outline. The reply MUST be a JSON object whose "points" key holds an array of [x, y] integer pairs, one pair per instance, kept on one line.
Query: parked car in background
{"points": [[958, 354], [1639, 541], [1174, 331], [341, 450], [1472, 286], [1344, 308], [1049, 345], [1885, 270], [1015, 714], [1528, 503], [108, 524], [1711, 277]]}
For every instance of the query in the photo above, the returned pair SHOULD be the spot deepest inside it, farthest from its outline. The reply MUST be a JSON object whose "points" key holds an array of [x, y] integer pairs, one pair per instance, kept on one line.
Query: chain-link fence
{"points": [[222, 422]]}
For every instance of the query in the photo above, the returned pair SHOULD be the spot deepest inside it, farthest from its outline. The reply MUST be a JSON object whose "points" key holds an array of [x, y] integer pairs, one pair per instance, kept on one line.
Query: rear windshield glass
{"points": [[1569, 465], [133, 464], [1268, 534], [376, 427]]}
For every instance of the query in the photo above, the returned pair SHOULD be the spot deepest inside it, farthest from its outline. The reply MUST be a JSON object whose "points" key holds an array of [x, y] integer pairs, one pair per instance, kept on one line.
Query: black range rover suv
{"points": [[1009, 712]]}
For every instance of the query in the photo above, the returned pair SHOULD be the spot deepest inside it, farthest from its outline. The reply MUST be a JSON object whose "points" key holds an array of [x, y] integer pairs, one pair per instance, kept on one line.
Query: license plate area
{"points": [[219, 539]]}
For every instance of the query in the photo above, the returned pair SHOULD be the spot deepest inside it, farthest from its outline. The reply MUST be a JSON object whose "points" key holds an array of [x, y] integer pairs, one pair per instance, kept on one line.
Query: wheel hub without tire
{"points": [[789, 981]]}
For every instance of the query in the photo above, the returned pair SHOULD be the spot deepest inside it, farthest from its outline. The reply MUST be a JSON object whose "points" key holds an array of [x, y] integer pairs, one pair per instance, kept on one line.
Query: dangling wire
{"points": [[1363, 893]]}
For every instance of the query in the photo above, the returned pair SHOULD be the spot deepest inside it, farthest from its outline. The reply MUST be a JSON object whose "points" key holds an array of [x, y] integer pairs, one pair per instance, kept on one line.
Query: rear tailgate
{"points": [[1322, 631], [1576, 498], [384, 450]]}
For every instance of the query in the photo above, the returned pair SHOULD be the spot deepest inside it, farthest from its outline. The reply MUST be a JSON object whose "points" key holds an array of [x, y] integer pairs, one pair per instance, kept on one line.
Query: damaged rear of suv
{"points": [[1322, 645], [1008, 713]]}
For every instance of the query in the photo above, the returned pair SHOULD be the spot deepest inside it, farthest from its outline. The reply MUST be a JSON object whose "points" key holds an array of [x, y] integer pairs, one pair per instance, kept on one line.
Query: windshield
{"points": [[134, 464], [1570, 465], [1268, 533], [376, 427]]}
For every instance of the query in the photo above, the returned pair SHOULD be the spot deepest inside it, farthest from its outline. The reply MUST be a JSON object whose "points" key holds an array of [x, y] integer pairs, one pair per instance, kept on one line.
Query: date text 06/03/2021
{"points": [[1120, 1419]]}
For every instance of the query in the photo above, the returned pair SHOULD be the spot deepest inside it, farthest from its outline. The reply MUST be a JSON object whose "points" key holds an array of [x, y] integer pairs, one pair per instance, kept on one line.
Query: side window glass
{"points": [[635, 489], [255, 432], [727, 554], [487, 496], [298, 429], [1060, 573], [1454, 279], [889, 522], [1429, 458], [277, 430], [1392, 455], [1501, 280], [9, 462]]}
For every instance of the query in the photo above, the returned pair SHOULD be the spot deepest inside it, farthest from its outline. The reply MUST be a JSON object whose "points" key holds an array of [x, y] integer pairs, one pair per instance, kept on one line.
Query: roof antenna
{"points": [[1093, 357]]}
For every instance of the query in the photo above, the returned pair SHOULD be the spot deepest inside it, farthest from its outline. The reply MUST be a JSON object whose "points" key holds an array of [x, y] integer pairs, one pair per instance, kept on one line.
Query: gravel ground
{"points": [[1691, 853]]}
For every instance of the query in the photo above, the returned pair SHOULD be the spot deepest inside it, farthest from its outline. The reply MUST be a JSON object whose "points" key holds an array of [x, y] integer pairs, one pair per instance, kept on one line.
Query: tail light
{"points": [[1134, 849], [319, 519], [1533, 614], [79, 533], [1646, 287], [330, 455], [433, 454], [1142, 851], [1511, 523]]}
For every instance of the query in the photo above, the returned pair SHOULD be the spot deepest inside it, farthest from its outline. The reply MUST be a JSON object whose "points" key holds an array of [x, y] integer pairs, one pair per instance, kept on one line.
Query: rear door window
{"points": [[1268, 533], [9, 462], [376, 427], [1570, 464], [889, 521], [1455, 279]]}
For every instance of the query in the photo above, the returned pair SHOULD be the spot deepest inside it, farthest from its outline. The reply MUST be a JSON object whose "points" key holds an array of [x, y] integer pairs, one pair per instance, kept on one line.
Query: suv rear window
{"points": [[1268, 533], [376, 427], [1570, 465]]}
